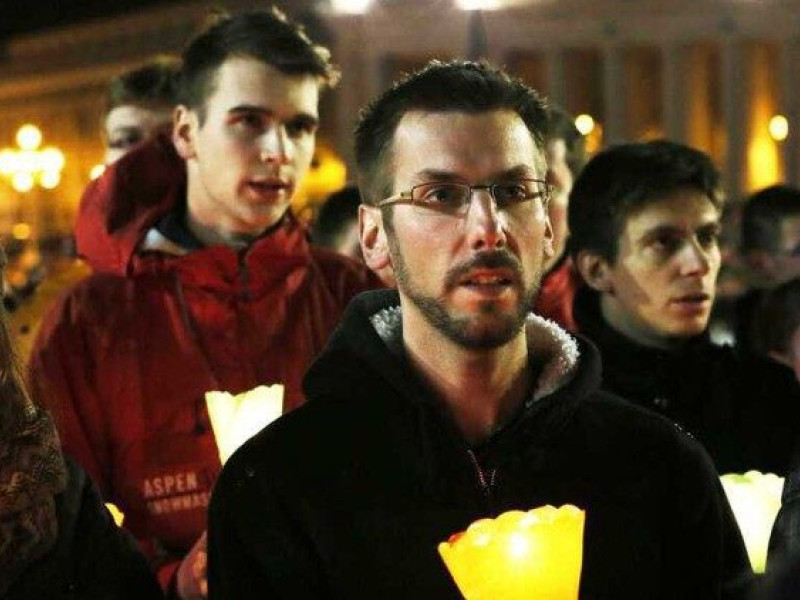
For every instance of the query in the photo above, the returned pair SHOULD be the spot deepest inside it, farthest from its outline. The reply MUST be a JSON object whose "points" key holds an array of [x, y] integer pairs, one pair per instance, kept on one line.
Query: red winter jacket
{"points": [[557, 294], [125, 357]]}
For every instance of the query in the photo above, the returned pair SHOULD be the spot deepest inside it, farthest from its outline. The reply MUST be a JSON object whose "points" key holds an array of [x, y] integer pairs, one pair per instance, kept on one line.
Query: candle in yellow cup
{"points": [[519, 555]]}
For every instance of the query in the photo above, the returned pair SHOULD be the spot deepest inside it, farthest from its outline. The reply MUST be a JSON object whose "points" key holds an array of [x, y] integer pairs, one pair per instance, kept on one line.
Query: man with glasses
{"points": [[448, 401]]}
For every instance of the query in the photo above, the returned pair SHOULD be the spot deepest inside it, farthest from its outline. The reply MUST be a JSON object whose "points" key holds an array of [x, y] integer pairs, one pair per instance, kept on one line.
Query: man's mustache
{"points": [[491, 259]]}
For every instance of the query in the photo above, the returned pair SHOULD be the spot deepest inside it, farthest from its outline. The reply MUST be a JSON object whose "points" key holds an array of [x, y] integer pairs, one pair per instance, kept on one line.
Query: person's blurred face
{"points": [[129, 125], [661, 287], [472, 278], [246, 158], [562, 179], [786, 262]]}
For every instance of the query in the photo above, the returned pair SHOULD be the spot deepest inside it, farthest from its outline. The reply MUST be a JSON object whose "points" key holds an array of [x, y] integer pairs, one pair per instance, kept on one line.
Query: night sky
{"points": [[28, 16]]}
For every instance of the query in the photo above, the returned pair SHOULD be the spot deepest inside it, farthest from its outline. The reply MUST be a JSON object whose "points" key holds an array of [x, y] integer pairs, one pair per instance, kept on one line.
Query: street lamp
{"points": [[26, 165]]}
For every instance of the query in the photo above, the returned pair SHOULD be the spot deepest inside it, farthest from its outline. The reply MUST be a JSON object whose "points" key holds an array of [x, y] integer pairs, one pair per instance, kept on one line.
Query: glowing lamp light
{"points": [[353, 7], [519, 555], [478, 4], [235, 419], [51, 159], [22, 181], [584, 124], [29, 137], [755, 499], [96, 171], [778, 128], [21, 231]]}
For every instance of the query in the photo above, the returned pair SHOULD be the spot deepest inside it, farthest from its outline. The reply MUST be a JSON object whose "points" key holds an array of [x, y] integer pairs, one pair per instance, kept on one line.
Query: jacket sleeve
{"points": [[256, 548], [708, 555], [62, 369], [106, 560]]}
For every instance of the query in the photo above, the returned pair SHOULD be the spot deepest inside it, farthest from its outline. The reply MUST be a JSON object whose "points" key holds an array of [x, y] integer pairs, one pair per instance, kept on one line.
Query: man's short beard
{"points": [[460, 330]]}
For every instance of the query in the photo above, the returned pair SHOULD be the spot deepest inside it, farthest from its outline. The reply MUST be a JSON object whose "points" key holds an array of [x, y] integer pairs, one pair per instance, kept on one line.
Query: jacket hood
{"points": [[371, 332], [118, 208]]}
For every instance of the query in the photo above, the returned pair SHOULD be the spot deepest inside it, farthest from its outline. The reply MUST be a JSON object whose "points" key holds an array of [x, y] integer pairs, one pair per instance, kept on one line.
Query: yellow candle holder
{"points": [[519, 555], [755, 499]]}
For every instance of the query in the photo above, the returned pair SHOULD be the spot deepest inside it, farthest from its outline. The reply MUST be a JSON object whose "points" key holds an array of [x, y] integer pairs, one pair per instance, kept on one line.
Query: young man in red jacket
{"points": [[204, 280]]}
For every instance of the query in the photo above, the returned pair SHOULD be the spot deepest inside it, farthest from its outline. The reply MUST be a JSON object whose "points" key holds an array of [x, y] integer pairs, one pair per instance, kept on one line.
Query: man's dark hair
{"points": [[762, 215], [338, 212], [267, 36], [625, 178], [458, 86], [561, 126], [154, 84], [777, 318]]}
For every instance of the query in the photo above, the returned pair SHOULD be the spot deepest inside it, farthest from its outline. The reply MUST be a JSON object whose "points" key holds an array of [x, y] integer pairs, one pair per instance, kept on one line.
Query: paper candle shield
{"points": [[235, 419], [755, 499], [535, 554]]}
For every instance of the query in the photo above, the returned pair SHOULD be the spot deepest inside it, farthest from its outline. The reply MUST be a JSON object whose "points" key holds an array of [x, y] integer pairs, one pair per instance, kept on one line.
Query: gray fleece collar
{"points": [[556, 348]]}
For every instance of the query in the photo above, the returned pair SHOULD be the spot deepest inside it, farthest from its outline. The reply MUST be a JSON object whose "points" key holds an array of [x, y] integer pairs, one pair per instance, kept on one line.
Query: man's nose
{"points": [[695, 259], [276, 146], [484, 222]]}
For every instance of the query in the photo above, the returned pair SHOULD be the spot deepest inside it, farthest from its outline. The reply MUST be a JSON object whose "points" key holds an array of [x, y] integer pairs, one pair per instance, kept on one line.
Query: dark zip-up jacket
{"points": [[746, 412], [348, 496]]}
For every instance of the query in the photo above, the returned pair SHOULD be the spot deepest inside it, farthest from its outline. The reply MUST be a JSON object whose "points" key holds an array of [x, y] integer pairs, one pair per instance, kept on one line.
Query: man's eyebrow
{"points": [[521, 171], [302, 117]]}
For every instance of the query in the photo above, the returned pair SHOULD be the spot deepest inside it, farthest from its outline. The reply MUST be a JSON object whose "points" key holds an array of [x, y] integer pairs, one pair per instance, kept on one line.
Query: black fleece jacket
{"points": [[349, 495], [745, 411]]}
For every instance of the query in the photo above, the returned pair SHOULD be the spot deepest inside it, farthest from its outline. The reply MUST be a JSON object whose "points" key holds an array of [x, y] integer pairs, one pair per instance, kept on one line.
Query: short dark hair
{"points": [[335, 214], [762, 215], [777, 318], [267, 36], [624, 178], [152, 84], [561, 126], [458, 86]]}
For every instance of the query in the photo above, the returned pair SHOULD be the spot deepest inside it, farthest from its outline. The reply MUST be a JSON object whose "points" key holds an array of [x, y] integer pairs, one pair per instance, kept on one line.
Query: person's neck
{"points": [[481, 389], [615, 317], [217, 236]]}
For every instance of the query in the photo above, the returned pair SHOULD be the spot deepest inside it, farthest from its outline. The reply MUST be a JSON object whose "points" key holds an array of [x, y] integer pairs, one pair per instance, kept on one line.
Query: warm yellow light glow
{"points": [[22, 181], [49, 180], [96, 171], [8, 161], [779, 128], [351, 6], [29, 137], [51, 159], [116, 514], [519, 552], [21, 231], [584, 124]]}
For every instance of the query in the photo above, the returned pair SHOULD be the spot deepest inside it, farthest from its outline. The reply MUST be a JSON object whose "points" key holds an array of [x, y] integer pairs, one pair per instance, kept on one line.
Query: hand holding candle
{"points": [[235, 419], [534, 554]]}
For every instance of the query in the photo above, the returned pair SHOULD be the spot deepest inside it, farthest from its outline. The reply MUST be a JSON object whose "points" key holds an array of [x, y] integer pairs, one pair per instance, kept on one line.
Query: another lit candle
{"points": [[519, 555]]}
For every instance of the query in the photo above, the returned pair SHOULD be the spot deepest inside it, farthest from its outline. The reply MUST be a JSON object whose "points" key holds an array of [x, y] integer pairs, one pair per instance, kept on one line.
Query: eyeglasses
{"points": [[452, 198]]}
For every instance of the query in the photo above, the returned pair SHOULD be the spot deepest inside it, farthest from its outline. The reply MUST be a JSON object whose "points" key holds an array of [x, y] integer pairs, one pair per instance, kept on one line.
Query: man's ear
{"points": [[372, 234], [184, 131], [596, 271]]}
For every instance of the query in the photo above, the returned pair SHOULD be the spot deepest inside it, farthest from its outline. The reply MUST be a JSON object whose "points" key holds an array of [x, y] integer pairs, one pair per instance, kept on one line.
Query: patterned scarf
{"points": [[32, 471]]}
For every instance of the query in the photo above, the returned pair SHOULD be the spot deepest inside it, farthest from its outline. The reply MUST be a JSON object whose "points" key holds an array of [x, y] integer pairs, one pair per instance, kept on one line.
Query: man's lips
{"points": [[698, 298], [488, 277], [270, 185]]}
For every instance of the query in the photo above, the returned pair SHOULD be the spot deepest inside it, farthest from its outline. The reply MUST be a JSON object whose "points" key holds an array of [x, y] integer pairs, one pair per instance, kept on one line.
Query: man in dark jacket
{"points": [[204, 280], [449, 401], [645, 221]]}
